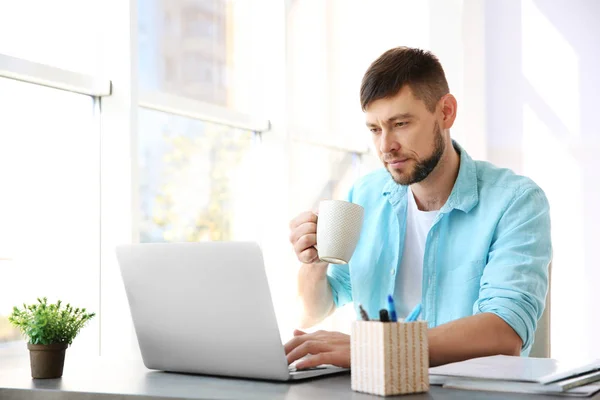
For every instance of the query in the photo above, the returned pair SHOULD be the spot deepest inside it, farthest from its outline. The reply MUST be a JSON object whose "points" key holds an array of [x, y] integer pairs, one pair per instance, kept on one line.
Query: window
{"points": [[195, 180], [197, 38], [199, 69], [49, 208], [201, 24]]}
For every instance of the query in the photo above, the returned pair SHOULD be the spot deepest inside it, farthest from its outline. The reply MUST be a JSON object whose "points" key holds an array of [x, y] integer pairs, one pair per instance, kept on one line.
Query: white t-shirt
{"points": [[409, 279]]}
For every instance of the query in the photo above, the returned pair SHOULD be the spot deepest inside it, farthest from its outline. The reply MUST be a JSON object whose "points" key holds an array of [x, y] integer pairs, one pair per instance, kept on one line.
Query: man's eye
{"points": [[374, 130], [401, 124]]}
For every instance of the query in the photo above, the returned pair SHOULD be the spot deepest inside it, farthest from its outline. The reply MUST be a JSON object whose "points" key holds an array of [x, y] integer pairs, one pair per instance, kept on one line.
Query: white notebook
{"points": [[514, 374]]}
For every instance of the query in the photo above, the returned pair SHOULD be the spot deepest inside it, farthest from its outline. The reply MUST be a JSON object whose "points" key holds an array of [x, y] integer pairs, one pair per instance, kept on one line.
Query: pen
{"points": [[392, 309], [414, 314], [383, 315], [363, 313]]}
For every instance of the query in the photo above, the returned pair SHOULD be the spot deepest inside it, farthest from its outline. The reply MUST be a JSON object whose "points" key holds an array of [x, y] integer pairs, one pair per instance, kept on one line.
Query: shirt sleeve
{"points": [[338, 277], [514, 283]]}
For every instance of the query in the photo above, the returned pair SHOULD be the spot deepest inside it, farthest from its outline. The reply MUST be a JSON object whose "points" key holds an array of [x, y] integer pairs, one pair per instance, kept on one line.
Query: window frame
{"points": [[56, 78]]}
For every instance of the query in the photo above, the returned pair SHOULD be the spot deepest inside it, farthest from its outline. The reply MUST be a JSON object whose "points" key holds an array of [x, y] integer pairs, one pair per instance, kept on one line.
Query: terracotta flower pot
{"points": [[47, 361]]}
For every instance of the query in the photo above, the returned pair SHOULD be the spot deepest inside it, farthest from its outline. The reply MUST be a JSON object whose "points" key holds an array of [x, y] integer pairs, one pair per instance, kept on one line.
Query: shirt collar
{"points": [[464, 195]]}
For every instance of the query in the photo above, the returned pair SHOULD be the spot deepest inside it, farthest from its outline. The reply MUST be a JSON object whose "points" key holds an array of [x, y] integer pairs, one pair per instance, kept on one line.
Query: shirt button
{"points": [[393, 272]]}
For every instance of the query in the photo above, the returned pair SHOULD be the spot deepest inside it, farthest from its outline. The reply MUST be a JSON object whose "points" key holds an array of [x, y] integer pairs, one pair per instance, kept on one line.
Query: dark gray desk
{"points": [[103, 379]]}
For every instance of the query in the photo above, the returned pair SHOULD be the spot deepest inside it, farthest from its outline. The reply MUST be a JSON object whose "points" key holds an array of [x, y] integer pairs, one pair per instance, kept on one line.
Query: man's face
{"points": [[407, 137]]}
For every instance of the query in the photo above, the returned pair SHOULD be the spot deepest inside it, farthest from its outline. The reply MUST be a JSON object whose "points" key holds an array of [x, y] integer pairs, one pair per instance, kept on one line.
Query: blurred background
{"points": [[188, 120]]}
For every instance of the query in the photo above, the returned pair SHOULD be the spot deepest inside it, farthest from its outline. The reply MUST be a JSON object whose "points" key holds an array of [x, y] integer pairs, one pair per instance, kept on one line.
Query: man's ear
{"points": [[448, 107]]}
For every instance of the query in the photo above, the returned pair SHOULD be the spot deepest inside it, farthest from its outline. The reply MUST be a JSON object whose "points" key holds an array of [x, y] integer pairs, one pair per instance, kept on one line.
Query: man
{"points": [[467, 240]]}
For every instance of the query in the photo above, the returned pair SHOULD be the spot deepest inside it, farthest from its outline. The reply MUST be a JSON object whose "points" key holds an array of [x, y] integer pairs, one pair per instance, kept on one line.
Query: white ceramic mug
{"points": [[339, 225]]}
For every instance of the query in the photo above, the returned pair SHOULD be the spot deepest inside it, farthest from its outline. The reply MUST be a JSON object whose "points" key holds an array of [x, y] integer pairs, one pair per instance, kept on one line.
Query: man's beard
{"points": [[423, 168]]}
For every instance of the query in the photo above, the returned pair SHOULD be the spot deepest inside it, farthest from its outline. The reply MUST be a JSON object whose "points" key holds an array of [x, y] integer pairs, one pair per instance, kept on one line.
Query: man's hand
{"points": [[303, 236], [313, 287], [323, 347]]}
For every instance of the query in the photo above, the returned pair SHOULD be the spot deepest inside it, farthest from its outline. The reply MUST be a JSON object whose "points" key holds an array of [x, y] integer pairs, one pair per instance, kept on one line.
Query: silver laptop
{"points": [[205, 308]]}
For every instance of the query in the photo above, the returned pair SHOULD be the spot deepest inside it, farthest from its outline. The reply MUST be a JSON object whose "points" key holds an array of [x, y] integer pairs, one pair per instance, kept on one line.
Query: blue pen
{"points": [[392, 309], [414, 314]]}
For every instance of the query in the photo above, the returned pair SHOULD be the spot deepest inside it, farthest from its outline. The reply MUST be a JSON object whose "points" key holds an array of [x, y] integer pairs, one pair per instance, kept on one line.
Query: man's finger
{"points": [[307, 216], [307, 241], [298, 332], [308, 347], [301, 230], [309, 256], [295, 342], [316, 360]]}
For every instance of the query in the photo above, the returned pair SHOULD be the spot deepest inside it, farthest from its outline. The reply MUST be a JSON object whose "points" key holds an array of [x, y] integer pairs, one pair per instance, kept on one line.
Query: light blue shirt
{"points": [[488, 249]]}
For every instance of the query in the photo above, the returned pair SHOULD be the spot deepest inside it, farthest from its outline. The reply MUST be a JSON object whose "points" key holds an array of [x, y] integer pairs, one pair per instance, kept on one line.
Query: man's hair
{"points": [[419, 69]]}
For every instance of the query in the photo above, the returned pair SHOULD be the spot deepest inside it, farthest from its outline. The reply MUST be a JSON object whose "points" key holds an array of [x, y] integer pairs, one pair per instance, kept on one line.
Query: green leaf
{"points": [[45, 324]]}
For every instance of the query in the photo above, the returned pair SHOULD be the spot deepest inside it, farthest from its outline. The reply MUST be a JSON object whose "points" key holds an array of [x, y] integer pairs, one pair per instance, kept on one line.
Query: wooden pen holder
{"points": [[389, 358]]}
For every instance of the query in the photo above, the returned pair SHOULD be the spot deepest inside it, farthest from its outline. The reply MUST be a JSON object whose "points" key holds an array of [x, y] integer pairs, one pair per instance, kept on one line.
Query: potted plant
{"points": [[50, 329]]}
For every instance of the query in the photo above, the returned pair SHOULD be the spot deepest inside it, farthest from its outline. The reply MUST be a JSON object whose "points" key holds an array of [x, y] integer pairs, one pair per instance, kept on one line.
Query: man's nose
{"points": [[388, 143]]}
